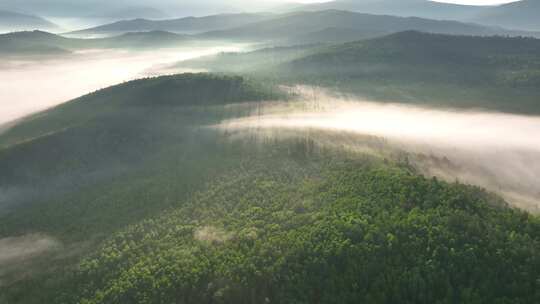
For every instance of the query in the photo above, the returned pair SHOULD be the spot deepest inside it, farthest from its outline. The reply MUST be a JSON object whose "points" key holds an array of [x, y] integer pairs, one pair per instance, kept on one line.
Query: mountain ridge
{"points": [[519, 15], [180, 25], [288, 26], [18, 21]]}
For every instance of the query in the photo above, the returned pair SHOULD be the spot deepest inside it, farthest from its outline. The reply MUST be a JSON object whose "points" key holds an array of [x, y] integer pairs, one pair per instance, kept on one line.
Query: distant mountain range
{"points": [[520, 15], [124, 9], [129, 12], [330, 26], [180, 25], [523, 15], [341, 26], [16, 21], [404, 8]]}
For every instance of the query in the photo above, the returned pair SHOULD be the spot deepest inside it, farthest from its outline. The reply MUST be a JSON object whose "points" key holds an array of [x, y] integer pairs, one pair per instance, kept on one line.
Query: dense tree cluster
{"points": [[338, 231], [423, 57]]}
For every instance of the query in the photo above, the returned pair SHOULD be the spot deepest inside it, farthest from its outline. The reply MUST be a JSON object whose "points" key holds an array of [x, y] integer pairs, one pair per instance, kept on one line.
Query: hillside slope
{"points": [[127, 127]]}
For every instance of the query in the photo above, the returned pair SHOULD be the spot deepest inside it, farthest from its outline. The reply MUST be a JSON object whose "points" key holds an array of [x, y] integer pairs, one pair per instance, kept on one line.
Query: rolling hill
{"points": [[12, 21], [517, 15], [95, 9], [39, 42], [497, 73], [181, 25], [296, 26], [501, 56], [405, 8]]}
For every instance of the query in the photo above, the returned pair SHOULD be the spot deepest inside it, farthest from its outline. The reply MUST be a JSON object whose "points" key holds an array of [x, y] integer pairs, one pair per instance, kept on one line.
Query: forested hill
{"points": [[182, 90], [147, 203], [496, 73], [500, 60]]}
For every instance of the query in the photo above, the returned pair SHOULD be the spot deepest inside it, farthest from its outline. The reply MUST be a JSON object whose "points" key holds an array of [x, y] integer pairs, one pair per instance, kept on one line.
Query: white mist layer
{"points": [[28, 86], [17, 252], [19, 248], [498, 151]]}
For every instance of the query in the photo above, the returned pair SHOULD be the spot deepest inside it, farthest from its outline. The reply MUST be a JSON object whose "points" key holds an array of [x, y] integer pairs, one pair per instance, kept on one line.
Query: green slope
{"points": [[153, 206], [321, 232]]}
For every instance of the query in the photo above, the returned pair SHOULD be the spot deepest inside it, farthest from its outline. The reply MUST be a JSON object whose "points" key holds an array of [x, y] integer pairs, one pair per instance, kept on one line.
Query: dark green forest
{"points": [[153, 205]]}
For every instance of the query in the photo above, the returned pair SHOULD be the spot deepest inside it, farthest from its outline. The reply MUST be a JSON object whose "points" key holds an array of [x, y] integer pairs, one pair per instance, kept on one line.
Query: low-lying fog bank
{"points": [[498, 151], [23, 247], [16, 252], [27, 86]]}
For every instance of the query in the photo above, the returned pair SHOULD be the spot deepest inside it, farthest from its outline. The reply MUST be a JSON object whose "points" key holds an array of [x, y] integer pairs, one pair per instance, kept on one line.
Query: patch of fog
{"points": [[17, 249], [497, 151], [7, 196], [211, 234], [67, 24], [28, 86], [62, 25], [20, 256]]}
